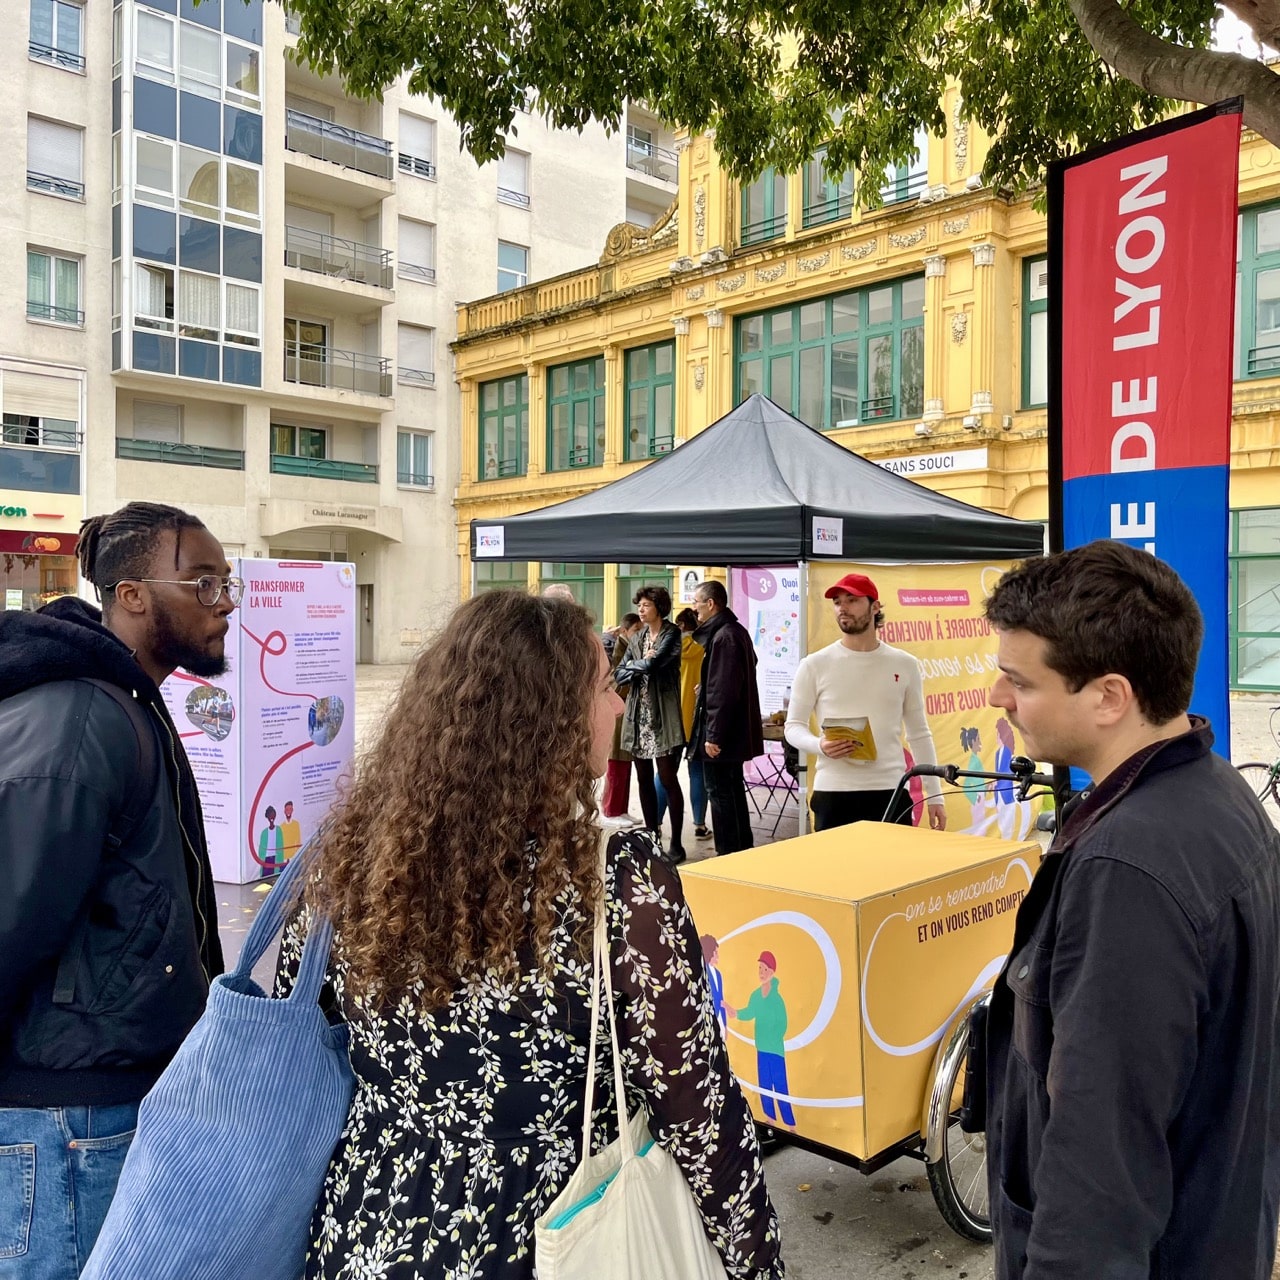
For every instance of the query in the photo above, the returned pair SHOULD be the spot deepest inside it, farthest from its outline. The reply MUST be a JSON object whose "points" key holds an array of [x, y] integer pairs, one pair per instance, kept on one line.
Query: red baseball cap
{"points": [[766, 957], [856, 584]]}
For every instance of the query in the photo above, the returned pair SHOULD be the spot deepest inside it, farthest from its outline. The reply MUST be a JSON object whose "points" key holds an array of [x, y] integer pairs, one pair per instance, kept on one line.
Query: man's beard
{"points": [[173, 650], [855, 626]]}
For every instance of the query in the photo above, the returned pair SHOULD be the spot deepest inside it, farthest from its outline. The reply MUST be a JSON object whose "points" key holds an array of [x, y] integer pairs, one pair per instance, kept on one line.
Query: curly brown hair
{"points": [[473, 810]]}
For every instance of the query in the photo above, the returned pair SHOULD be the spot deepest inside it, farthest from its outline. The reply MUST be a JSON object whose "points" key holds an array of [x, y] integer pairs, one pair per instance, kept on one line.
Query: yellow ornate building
{"points": [[913, 333]]}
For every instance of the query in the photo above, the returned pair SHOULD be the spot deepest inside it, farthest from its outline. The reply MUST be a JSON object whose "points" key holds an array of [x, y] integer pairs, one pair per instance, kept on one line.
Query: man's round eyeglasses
{"points": [[209, 587]]}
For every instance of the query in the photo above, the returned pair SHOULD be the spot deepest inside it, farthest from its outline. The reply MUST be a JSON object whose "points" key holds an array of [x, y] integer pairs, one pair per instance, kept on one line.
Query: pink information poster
{"points": [[271, 740]]}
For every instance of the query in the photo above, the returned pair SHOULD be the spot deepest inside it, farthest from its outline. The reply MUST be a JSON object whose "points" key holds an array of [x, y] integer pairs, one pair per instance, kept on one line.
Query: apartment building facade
{"points": [[241, 286]]}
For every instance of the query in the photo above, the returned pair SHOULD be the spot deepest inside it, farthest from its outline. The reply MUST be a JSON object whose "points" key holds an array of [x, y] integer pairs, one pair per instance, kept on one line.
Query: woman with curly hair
{"points": [[462, 965], [653, 725]]}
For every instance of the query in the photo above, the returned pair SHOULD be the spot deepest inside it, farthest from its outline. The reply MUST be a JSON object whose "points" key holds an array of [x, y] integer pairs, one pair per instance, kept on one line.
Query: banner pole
{"points": [[802, 771]]}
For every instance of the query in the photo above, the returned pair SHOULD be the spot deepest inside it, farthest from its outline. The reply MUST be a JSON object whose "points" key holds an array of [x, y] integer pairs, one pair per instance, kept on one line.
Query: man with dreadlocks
{"points": [[108, 920]]}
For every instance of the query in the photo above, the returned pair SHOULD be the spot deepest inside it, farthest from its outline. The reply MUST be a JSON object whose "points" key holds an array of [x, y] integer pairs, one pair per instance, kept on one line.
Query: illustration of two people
{"points": [[277, 844], [766, 1008], [1012, 817]]}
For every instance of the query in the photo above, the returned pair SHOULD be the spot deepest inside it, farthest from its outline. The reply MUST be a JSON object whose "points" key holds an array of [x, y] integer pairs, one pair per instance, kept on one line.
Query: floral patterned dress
{"points": [[466, 1123]]}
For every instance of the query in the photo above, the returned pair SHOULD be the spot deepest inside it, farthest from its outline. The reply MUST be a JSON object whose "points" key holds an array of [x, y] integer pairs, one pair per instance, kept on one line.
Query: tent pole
{"points": [[802, 782], [475, 578]]}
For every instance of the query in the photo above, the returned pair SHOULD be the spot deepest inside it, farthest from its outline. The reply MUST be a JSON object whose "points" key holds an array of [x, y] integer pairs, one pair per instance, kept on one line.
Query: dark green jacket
{"points": [[661, 688]]}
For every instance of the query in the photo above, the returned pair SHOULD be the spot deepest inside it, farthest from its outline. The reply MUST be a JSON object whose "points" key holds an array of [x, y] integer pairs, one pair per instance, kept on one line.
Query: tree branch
{"points": [[1261, 16], [1173, 71]]}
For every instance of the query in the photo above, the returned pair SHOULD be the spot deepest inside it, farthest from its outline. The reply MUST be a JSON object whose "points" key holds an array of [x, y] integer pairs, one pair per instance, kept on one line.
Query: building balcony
{"points": [[56, 57], [764, 229], [337, 258], [819, 211], [334, 163], [55, 314], [68, 188], [284, 464], [309, 365], [183, 455], [905, 187], [32, 470], [653, 161]]}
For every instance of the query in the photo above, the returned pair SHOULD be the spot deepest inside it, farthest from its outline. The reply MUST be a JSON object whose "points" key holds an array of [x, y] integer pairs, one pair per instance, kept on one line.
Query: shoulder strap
{"points": [[145, 778]]}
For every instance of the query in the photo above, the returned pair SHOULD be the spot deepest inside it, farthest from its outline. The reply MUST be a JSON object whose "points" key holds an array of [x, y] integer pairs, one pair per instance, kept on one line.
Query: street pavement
{"points": [[836, 1223]]}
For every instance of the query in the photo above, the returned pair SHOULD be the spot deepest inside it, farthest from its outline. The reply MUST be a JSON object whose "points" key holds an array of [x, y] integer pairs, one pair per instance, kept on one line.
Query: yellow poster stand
{"points": [[839, 960]]}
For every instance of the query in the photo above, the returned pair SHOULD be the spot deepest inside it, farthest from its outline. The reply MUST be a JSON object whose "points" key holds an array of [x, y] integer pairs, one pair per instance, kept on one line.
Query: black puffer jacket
{"points": [[68, 767]]}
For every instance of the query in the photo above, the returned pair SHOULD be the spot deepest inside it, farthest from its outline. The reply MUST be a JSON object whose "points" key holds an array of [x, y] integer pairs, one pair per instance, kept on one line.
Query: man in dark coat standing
{"points": [[727, 729], [1133, 1039]]}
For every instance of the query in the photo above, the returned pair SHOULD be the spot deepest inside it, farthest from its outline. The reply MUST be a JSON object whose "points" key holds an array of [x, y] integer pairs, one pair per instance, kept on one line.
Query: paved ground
{"points": [[836, 1224]]}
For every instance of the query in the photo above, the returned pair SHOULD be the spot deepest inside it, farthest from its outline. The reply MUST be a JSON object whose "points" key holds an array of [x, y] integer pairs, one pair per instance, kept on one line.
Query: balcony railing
{"points": [[764, 229], [907, 187], [54, 314], [184, 455], [648, 158], [58, 57], [418, 166], [415, 479], [40, 470], [832, 209], [311, 365], [1264, 359], [518, 198], [416, 377], [335, 142], [71, 187], [877, 407], [285, 464], [332, 256], [412, 271], [656, 446]]}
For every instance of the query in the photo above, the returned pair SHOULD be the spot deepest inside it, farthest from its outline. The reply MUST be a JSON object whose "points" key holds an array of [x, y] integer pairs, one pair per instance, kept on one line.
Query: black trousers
{"points": [[727, 794], [839, 808], [666, 766]]}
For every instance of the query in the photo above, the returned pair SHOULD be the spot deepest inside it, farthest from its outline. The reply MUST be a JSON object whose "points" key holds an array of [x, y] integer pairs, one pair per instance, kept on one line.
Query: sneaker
{"points": [[674, 857], [622, 822], [702, 831]]}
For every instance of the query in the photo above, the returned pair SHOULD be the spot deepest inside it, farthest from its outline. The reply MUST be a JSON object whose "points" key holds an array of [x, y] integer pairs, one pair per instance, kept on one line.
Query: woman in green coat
{"points": [[652, 725]]}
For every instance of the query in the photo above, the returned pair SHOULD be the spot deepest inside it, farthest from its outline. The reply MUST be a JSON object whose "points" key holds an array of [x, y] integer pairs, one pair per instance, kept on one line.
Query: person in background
{"points": [[861, 681], [691, 655], [727, 729], [461, 966], [1133, 1036], [108, 913], [652, 726], [558, 591], [617, 778]]}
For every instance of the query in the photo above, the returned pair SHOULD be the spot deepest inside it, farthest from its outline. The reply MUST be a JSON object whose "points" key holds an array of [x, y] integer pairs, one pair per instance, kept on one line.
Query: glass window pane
{"points": [[560, 381], [813, 321], [1259, 532], [663, 413], [201, 56], [844, 313], [66, 285], [911, 373], [38, 278], [813, 398], [154, 164], [637, 364], [751, 333], [664, 358], [489, 397], [1267, 320], [42, 23], [242, 70], [880, 377], [750, 378], [880, 306], [1038, 358], [780, 391], [199, 183], [1258, 595], [637, 422], [780, 328], [155, 42], [581, 374], [844, 384], [242, 194], [559, 436], [1268, 231], [913, 298]]}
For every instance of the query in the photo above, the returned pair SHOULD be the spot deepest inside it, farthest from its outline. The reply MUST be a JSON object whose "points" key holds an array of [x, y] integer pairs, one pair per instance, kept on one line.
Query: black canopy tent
{"points": [[746, 491]]}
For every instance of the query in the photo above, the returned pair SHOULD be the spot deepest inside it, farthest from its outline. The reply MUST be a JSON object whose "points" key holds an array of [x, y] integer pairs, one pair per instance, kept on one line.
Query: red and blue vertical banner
{"points": [[1142, 265]]}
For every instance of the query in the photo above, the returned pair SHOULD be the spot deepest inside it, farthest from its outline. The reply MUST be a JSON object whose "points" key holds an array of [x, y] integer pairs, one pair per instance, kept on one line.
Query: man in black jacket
{"points": [[727, 729], [1133, 1043], [108, 919]]}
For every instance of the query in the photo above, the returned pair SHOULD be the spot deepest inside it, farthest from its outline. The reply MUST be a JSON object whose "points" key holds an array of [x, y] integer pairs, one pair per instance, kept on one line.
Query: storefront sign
{"points": [[16, 513], [1142, 254], [19, 542], [366, 517], [943, 463], [13, 598]]}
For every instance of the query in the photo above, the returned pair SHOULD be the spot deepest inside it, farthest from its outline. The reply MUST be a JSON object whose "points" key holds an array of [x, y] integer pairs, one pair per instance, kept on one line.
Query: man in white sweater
{"points": [[864, 693]]}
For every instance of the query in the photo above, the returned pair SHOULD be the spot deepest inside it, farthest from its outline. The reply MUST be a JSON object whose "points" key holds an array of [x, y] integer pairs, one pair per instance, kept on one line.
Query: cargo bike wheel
{"points": [[956, 1160]]}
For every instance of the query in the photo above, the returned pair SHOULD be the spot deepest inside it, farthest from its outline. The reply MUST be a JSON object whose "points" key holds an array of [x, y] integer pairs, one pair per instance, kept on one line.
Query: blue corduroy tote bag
{"points": [[234, 1141]]}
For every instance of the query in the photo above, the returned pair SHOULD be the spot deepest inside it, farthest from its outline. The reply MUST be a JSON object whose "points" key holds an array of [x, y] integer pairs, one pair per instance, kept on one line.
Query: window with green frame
{"points": [[586, 581], [1254, 623], [1035, 332], [650, 400], [504, 427], [764, 207], [575, 415], [906, 181], [828, 197], [841, 361], [1257, 329], [299, 442], [500, 575], [631, 577]]}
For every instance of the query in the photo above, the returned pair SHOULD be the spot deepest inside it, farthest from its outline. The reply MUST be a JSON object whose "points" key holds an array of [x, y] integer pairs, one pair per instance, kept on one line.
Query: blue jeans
{"points": [[58, 1172], [697, 795], [772, 1071]]}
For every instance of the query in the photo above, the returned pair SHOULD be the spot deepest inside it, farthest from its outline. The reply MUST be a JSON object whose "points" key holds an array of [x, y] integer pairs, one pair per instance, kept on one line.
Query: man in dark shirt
{"points": [[1133, 1093]]}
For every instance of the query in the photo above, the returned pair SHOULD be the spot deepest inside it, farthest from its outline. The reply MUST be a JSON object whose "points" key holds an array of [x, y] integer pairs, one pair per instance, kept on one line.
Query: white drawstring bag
{"points": [[627, 1212]]}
